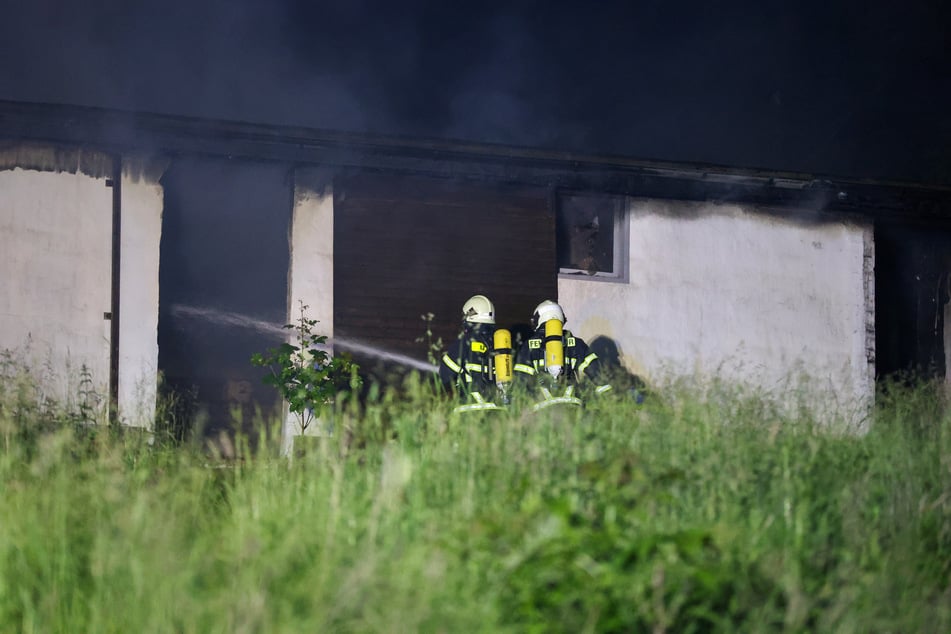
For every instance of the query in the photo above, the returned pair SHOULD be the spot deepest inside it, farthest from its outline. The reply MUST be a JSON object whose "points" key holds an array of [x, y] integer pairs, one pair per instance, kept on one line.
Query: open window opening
{"points": [[592, 236]]}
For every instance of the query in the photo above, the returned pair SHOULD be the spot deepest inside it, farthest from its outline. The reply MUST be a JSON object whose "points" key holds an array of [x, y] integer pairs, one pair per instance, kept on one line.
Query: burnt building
{"points": [[138, 245]]}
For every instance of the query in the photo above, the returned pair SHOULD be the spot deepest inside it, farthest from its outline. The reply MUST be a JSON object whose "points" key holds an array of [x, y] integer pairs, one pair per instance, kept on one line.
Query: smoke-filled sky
{"points": [[851, 88]]}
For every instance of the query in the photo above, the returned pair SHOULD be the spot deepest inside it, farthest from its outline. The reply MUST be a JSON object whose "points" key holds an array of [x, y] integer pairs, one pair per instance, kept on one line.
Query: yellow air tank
{"points": [[503, 357], [554, 349]]}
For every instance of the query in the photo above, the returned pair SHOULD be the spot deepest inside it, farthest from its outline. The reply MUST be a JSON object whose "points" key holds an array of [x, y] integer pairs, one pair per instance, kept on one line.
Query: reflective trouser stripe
{"points": [[452, 365], [569, 392], [558, 400], [527, 369], [477, 407], [601, 389]]}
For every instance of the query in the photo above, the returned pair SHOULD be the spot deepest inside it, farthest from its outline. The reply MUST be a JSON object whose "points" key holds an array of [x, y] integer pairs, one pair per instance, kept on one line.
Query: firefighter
{"points": [[469, 366], [557, 363]]}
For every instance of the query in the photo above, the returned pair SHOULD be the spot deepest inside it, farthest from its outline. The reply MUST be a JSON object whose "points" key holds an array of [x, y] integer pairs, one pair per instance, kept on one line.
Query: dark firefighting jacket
{"points": [[467, 367], [581, 365]]}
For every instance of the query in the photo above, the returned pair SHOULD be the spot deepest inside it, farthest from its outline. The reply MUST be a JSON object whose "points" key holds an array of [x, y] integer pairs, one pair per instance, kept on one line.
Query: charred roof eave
{"points": [[124, 131]]}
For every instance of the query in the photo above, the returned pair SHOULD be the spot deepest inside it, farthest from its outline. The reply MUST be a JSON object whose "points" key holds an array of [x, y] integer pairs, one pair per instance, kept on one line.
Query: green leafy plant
{"points": [[305, 374]]}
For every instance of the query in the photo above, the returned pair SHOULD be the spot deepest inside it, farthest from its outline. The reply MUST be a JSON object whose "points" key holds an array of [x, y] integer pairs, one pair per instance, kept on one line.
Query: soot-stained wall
{"points": [[55, 258], [223, 280], [779, 301]]}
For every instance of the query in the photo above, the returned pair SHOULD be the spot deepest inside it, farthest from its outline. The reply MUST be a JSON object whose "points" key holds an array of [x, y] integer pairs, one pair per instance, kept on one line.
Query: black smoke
{"points": [[849, 88]]}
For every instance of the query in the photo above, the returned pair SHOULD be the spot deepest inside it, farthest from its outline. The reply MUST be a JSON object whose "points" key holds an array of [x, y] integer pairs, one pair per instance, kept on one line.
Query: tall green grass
{"points": [[684, 514]]}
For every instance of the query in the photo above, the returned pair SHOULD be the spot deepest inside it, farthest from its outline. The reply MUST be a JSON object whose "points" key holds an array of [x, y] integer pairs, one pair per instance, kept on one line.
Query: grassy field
{"points": [[681, 515]]}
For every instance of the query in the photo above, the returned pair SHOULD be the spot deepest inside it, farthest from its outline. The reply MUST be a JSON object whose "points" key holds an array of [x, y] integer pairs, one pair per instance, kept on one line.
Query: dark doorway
{"points": [[912, 267], [410, 246], [222, 288]]}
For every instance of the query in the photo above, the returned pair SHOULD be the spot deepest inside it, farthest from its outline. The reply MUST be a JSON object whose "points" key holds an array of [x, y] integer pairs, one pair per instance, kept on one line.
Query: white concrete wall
{"points": [[312, 254], [55, 258], [723, 291], [142, 204], [311, 267]]}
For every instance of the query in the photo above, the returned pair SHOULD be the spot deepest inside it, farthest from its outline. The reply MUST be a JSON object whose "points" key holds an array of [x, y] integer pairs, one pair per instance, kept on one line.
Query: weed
{"points": [[307, 377]]}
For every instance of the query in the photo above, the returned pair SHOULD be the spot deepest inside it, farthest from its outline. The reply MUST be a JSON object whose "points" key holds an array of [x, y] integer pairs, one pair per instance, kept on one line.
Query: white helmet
{"points": [[478, 310], [547, 310]]}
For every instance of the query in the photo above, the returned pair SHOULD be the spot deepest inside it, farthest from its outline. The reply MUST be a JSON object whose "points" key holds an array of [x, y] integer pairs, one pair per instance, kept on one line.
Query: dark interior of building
{"points": [[222, 287], [912, 268]]}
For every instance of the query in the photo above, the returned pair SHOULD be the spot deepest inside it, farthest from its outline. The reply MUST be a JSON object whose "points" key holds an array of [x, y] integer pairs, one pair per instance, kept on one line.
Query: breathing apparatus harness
{"points": [[496, 370]]}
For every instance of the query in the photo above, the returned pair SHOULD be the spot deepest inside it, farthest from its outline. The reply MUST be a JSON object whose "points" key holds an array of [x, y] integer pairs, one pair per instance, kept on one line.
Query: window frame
{"points": [[622, 238]]}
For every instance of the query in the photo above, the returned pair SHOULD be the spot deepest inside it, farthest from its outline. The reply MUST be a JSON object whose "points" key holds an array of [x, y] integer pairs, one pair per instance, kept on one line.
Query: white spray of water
{"points": [[271, 328], [227, 319], [379, 353]]}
